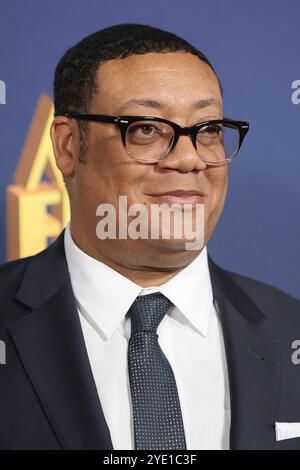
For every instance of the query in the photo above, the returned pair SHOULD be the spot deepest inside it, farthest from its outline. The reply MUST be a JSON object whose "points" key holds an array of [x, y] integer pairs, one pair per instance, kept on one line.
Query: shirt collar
{"points": [[191, 291], [106, 295]]}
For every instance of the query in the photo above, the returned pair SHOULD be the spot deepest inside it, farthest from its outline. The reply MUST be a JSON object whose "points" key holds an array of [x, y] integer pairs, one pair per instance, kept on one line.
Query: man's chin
{"points": [[177, 245]]}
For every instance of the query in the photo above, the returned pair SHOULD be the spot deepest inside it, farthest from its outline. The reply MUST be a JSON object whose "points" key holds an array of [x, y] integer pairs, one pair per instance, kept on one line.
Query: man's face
{"points": [[167, 85]]}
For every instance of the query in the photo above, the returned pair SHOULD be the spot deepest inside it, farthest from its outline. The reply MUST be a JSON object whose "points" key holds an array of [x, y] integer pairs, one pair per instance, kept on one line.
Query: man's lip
{"points": [[179, 193], [179, 197]]}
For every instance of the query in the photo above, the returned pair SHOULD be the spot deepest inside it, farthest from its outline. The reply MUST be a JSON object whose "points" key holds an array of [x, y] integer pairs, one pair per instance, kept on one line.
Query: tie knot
{"points": [[147, 311]]}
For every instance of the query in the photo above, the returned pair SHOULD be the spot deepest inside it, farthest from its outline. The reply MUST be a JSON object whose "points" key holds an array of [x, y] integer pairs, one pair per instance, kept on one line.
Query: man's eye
{"points": [[144, 130], [147, 129], [211, 129]]}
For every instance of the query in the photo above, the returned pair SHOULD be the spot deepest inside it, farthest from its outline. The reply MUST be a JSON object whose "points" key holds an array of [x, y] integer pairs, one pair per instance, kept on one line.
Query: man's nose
{"points": [[183, 158]]}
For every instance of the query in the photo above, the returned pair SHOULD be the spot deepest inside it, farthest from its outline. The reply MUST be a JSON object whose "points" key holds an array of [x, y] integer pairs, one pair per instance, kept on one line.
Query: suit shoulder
{"points": [[11, 274], [262, 287], [13, 270], [272, 301], [10, 270]]}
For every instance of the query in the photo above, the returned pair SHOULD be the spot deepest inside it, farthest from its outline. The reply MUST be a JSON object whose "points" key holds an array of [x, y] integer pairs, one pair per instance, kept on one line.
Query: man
{"points": [[128, 342]]}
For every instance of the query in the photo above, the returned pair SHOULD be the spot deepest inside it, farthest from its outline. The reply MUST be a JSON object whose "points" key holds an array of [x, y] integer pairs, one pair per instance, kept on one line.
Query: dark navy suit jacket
{"points": [[48, 398]]}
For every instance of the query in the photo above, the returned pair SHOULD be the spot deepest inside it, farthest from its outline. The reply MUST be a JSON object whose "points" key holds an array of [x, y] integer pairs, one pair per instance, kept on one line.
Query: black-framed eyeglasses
{"points": [[149, 139]]}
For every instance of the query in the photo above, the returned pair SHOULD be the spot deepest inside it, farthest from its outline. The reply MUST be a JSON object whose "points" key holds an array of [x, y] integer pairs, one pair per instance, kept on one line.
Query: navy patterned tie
{"points": [[157, 418]]}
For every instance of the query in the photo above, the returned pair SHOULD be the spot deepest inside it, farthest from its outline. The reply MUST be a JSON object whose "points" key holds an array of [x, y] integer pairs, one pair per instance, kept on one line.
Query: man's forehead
{"points": [[163, 104], [157, 80], [171, 60], [162, 68]]}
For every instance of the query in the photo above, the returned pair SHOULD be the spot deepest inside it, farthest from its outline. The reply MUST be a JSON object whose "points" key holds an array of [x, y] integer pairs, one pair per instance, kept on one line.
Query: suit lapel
{"points": [[51, 346], [253, 364]]}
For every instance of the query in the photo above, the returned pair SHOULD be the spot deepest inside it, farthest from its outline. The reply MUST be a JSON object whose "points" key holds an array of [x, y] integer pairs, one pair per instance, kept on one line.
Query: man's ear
{"points": [[65, 141]]}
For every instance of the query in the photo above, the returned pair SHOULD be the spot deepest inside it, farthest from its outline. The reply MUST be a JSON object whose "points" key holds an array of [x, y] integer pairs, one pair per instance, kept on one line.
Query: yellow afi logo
{"points": [[37, 202]]}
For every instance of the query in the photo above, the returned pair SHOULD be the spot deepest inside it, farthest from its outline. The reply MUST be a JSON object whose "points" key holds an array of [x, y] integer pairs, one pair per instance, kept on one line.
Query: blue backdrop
{"points": [[254, 47]]}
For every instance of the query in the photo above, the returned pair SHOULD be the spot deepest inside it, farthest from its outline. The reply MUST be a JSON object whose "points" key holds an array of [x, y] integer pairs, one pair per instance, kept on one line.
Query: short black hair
{"points": [[75, 80]]}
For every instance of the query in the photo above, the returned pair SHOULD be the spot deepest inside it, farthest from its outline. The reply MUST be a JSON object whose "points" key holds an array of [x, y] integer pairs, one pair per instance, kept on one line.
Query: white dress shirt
{"points": [[190, 335]]}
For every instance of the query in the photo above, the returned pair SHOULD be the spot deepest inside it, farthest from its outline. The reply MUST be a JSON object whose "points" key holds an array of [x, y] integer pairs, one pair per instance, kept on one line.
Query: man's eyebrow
{"points": [[203, 103]]}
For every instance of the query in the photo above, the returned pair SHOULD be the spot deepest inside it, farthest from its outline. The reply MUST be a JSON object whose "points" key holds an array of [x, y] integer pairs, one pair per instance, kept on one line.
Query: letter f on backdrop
{"points": [[37, 204]]}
